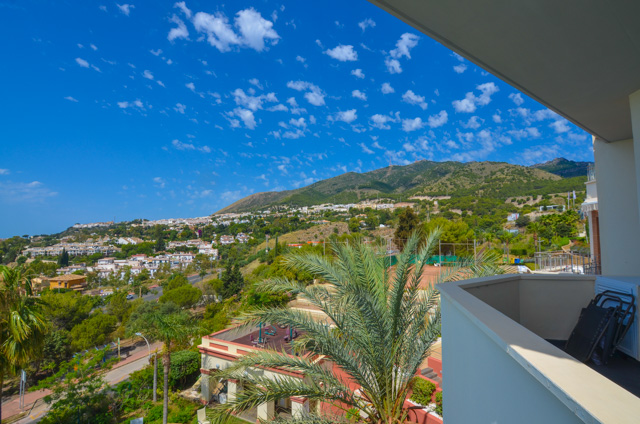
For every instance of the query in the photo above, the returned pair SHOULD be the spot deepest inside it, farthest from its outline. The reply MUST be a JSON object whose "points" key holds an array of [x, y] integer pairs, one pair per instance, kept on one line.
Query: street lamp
{"points": [[155, 366]]}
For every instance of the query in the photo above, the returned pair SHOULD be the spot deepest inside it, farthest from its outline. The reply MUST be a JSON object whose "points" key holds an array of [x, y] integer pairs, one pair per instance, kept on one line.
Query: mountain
{"points": [[564, 167], [422, 178]]}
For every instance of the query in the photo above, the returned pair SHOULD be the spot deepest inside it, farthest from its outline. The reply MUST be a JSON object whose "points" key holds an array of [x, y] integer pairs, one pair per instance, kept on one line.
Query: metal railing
{"points": [[560, 261]]}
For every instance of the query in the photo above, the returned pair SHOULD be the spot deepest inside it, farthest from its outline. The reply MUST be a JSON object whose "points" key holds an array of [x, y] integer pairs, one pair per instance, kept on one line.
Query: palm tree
{"points": [[168, 324], [380, 326], [22, 325]]}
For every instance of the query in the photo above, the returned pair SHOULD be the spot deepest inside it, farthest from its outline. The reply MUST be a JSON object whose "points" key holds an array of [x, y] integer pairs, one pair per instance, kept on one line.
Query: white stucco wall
{"points": [[483, 384], [618, 207]]}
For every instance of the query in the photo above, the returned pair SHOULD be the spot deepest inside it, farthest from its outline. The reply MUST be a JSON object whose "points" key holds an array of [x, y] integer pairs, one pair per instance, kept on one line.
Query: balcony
{"points": [[500, 365]]}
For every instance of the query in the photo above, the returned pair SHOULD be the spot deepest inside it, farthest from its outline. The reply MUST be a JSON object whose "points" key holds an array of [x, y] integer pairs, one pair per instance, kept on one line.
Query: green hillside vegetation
{"points": [[564, 168], [494, 180]]}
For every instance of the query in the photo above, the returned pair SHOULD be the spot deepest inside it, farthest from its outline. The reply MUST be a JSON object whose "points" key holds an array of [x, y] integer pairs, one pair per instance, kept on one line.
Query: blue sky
{"points": [[163, 109]]}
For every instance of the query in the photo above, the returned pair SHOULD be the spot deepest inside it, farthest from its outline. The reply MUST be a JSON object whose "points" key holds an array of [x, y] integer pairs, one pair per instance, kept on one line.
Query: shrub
{"points": [[422, 391], [439, 403], [154, 413], [184, 364]]}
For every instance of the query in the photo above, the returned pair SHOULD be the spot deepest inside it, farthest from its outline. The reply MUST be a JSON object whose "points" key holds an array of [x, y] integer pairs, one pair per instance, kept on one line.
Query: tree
{"points": [[63, 260], [164, 322], [22, 324], [232, 281], [407, 224], [183, 296], [522, 221], [78, 392], [94, 331], [354, 225], [370, 306]]}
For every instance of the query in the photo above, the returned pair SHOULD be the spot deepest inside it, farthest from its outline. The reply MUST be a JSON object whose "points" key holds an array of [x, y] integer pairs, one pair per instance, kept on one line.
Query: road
{"points": [[155, 296], [36, 408]]}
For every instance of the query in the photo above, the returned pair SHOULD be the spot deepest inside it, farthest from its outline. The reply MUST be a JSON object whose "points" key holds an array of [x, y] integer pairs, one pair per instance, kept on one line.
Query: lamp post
{"points": [[155, 367]]}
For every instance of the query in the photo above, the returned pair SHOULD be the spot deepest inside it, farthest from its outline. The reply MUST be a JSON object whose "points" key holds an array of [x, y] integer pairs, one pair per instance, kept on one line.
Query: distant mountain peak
{"points": [[564, 167]]}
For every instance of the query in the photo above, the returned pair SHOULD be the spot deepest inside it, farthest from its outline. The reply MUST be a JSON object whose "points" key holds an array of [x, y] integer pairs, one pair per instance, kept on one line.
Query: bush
{"points": [[184, 364], [154, 413], [422, 391], [439, 403]]}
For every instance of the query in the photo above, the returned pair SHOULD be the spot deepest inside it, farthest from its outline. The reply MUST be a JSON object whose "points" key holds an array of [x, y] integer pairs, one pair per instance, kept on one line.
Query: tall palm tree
{"points": [[168, 324], [22, 324], [381, 324]]}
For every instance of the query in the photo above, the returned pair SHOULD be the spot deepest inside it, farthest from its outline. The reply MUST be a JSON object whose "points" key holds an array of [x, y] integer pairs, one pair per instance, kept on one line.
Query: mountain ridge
{"points": [[399, 182]]}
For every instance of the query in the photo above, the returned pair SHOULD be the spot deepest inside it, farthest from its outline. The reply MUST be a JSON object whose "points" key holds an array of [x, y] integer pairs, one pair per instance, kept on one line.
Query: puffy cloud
{"points": [[83, 63], [254, 31], [358, 95], [147, 74], [252, 102], [183, 7], [191, 86], [179, 145], [497, 118], [516, 98], [393, 66], [414, 99], [125, 9], [470, 103], [404, 45], [246, 116], [357, 73], [414, 124], [343, 53], [474, 123], [134, 104], [178, 32], [560, 126], [386, 88], [347, 116], [313, 93], [180, 108], [380, 121], [367, 23], [460, 68], [438, 119], [300, 59]]}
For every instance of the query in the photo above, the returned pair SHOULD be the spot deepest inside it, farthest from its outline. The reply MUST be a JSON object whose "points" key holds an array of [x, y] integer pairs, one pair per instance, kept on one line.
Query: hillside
{"points": [[488, 179], [564, 167]]}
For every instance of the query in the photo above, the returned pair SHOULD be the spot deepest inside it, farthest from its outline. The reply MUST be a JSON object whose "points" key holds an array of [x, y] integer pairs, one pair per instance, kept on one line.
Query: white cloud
{"points": [[252, 102], [254, 31], [313, 93], [300, 59], [147, 74], [180, 108], [497, 118], [438, 119], [366, 149], [386, 88], [367, 23], [155, 52], [134, 104], [183, 7], [347, 116], [380, 121], [357, 73], [159, 180], [246, 116], [278, 108], [180, 31], [560, 126], [300, 123], [125, 9], [474, 123], [358, 95], [83, 63], [16, 192], [414, 124], [516, 98], [414, 99], [460, 68], [393, 65], [93, 47], [256, 82], [182, 146], [470, 103], [71, 99], [4, 171], [404, 45], [191, 86], [343, 53]]}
